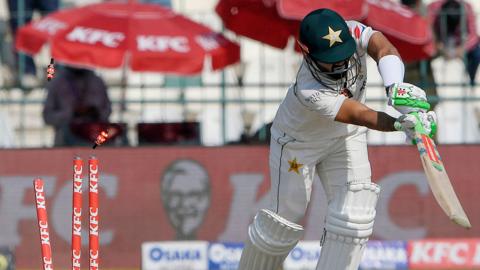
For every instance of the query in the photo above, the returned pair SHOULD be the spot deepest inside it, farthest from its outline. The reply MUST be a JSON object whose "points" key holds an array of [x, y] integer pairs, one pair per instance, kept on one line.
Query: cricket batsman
{"points": [[320, 128]]}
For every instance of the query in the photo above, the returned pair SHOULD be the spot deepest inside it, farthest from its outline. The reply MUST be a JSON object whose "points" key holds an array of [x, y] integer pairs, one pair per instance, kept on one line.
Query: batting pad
{"points": [[349, 223], [270, 239]]}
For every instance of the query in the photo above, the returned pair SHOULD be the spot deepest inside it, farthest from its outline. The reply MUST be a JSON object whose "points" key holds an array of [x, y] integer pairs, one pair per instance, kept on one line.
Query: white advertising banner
{"points": [[179, 255]]}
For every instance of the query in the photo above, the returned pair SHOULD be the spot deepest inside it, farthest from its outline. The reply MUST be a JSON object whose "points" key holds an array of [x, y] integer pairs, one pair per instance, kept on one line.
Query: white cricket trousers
{"points": [[293, 165]]}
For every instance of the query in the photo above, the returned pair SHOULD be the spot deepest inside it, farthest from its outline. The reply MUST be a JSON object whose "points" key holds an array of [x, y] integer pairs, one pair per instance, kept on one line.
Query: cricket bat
{"points": [[439, 182]]}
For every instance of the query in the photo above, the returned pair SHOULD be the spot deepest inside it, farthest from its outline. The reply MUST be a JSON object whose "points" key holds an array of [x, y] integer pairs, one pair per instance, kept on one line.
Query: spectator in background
{"points": [[7, 63], [454, 26], [29, 78], [420, 73], [75, 96]]}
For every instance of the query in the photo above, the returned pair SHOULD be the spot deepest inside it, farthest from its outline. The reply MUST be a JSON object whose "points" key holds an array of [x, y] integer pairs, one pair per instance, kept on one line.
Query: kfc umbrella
{"points": [[297, 9], [408, 31], [153, 37], [258, 20]]}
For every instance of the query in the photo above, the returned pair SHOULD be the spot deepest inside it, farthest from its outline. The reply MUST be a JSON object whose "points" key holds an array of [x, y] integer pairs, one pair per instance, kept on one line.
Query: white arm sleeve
{"points": [[327, 104], [391, 69]]}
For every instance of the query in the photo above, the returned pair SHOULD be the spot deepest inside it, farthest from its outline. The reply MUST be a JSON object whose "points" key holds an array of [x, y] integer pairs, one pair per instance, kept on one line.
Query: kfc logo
{"points": [[444, 254], [94, 36], [162, 44]]}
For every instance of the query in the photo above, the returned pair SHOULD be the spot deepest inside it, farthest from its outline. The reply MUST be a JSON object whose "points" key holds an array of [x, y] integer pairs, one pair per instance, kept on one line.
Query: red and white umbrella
{"points": [[258, 20], [408, 31], [297, 9], [148, 36], [273, 22]]}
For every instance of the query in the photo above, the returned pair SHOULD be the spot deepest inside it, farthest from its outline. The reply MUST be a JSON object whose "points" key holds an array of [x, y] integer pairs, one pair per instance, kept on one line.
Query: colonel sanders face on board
{"points": [[185, 190]]}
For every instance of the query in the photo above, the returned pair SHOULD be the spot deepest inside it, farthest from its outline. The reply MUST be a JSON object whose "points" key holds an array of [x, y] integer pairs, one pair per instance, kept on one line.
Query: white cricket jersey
{"points": [[308, 111]]}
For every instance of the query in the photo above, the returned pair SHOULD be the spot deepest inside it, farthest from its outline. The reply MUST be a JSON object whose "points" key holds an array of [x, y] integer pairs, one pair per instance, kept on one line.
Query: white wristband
{"points": [[391, 69]]}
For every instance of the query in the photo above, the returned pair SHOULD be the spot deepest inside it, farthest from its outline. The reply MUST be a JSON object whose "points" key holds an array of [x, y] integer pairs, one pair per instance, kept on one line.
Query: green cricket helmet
{"points": [[325, 38]]}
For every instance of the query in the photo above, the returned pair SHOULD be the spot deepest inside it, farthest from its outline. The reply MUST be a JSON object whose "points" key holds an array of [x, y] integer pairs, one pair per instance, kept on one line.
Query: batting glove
{"points": [[407, 98], [425, 123]]}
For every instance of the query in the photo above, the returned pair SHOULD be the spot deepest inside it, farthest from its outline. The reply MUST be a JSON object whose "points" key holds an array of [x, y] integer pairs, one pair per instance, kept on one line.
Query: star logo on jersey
{"points": [[294, 166], [333, 36]]}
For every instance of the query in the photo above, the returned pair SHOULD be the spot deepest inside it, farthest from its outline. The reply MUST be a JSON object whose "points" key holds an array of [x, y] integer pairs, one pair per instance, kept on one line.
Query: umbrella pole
{"points": [[21, 67], [123, 90], [224, 110], [123, 96]]}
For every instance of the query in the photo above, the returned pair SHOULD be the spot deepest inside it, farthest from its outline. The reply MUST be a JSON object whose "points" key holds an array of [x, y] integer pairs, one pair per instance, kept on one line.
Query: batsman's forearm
{"points": [[377, 120], [385, 122], [356, 113]]}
